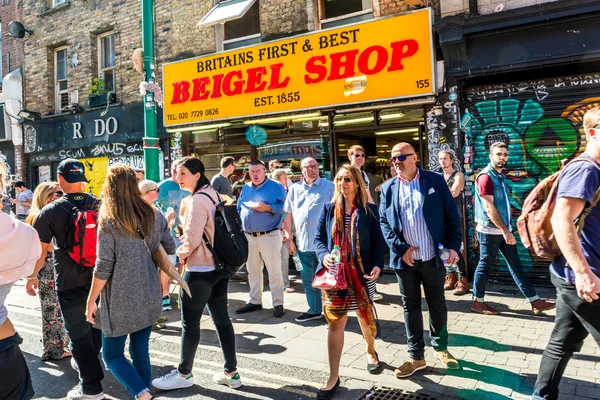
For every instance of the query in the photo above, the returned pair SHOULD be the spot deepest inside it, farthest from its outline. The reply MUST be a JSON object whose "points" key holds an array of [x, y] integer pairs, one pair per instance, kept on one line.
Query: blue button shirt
{"points": [[414, 226], [305, 203], [270, 193]]}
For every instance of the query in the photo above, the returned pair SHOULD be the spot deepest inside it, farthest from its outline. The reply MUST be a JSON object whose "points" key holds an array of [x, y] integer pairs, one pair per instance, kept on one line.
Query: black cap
{"points": [[72, 170]]}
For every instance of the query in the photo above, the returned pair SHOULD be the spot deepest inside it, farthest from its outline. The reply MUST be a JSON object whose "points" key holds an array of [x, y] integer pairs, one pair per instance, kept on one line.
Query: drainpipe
{"points": [[473, 10]]}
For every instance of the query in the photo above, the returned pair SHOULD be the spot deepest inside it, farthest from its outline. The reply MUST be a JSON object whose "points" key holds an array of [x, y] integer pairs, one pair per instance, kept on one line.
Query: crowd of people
{"points": [[85, 256]]}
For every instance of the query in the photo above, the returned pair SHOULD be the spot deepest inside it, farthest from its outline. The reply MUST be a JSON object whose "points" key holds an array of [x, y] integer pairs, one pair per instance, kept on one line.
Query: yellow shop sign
{"points": [[378, 60]]}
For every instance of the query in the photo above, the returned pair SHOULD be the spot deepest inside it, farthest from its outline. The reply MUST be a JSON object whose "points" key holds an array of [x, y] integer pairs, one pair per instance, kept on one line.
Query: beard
{"points": [[498, 164]]}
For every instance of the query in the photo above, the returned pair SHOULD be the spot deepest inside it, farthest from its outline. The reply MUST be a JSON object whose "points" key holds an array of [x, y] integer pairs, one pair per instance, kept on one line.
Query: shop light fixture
{"points": [[393, 116], [353, 121], [307, 119], [199, 128], [281, 119], [408, 130]]}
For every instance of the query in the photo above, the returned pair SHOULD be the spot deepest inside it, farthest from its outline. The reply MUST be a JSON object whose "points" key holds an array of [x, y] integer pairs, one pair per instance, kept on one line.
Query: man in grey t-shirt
{"points": [[220, 182], [23, 200]]}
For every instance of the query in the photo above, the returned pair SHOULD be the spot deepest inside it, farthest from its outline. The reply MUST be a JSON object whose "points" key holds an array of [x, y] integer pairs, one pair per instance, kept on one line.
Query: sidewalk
{"points": [[500, 354]]}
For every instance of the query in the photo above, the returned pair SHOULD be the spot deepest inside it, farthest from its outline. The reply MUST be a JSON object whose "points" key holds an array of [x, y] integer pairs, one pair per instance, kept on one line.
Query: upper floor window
{"points": [[56, 3], [61, 85], [342, 12], [106, 59], [237, 23]]}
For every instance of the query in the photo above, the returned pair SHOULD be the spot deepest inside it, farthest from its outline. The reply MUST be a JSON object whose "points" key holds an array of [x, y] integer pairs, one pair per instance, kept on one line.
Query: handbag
{"points": [[325, 281]]}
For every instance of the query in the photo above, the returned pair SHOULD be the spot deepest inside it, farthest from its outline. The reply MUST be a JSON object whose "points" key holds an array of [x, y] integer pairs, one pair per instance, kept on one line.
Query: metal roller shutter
{"points": [[540, 120]]}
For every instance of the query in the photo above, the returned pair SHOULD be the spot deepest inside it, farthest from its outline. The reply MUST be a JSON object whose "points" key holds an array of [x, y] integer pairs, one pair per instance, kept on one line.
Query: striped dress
{"points": [[330, 295]]}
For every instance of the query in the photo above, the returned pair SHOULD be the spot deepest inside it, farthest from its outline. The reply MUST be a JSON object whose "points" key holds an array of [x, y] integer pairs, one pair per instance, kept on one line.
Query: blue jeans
{"points": [[489, 245], [137, 377], [310, 262]]}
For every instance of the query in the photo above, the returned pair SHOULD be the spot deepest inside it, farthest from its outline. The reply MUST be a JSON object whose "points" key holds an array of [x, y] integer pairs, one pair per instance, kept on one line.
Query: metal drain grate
{"points": [[386, 393]]}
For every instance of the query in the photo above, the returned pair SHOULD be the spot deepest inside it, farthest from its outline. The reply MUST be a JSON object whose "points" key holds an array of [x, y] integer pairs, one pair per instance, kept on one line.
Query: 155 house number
{"points": [[423, 83]]}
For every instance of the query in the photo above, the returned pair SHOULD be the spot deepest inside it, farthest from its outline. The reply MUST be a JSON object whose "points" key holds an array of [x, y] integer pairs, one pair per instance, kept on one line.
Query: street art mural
{"points": [[541, 124], [442, 129], [95, 172]]}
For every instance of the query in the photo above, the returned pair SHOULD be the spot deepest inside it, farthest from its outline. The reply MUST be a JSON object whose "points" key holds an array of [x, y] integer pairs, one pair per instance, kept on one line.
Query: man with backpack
{"points": [[575, 273], [494, 233], [69, 226]]}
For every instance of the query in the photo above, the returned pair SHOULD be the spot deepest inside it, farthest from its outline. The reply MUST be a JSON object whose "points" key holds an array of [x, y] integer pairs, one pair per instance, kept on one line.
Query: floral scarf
{"points": [[348, 239]]}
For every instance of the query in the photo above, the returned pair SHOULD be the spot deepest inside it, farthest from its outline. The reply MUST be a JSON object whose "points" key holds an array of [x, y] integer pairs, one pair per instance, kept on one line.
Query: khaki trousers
{"points": [[265, 250]]}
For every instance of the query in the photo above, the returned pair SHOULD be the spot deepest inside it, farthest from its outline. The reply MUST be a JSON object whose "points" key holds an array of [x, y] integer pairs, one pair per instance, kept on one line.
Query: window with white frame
{"points": [[56, 3], [342, 12], [61, 85], [237, 23], [106, 59]]}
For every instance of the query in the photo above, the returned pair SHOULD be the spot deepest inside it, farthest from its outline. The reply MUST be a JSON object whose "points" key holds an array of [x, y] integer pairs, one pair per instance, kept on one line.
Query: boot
{"points": [[462, 287], [450, 282]]}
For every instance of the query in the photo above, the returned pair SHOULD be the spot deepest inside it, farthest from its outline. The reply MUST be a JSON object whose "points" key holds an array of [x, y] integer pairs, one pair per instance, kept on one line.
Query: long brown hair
{"points": [[43, 192], [123, 204], [359, 183]]}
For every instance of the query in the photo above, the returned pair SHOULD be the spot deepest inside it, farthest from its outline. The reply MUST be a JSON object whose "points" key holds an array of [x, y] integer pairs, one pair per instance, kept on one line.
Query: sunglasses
{"points": [[152, 190], [344, 179], [359, 155], [400, 157], [58, 193]]}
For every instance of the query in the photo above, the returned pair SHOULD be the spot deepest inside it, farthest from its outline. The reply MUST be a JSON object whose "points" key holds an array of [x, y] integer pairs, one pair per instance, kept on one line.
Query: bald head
{"points": [[404, 160]]}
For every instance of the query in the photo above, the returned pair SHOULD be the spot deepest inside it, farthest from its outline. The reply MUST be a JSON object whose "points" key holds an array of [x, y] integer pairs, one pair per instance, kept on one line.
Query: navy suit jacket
{"points": [[439, 209], [372, 244]]}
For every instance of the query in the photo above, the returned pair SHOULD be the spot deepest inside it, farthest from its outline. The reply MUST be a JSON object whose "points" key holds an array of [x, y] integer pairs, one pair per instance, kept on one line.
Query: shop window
{"points": [[61, 85], [343, 12], [237, 23], [106, 59]]}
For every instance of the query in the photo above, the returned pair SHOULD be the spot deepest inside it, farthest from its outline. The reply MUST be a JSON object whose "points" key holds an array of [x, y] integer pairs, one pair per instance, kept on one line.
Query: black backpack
{"points": [[230, 250]]}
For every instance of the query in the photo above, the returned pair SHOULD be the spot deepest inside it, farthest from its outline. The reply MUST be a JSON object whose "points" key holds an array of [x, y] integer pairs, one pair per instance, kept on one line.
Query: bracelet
{"points": [[30, 278]]}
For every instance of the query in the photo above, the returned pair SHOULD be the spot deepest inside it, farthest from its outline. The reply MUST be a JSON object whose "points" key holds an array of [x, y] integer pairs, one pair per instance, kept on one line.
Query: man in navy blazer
{"points": [[417, 213]]}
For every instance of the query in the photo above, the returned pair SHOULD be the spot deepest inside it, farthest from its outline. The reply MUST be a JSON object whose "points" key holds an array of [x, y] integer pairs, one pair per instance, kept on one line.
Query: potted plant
{"points": [[100, 93]]}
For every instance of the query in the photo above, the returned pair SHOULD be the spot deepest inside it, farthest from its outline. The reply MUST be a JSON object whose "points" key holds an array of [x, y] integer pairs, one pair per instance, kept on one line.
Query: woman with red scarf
{"points": [[353, 225]]}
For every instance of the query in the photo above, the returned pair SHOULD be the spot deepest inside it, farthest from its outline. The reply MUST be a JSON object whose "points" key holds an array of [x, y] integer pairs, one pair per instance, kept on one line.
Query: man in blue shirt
{"points": [[575, 274], [261, 208], [303, 207]]}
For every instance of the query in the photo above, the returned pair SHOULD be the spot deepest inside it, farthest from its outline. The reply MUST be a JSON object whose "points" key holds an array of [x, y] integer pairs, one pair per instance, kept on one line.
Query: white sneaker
{"points": [[173, 380], [74, 364], [235, 382], [77, 394]]}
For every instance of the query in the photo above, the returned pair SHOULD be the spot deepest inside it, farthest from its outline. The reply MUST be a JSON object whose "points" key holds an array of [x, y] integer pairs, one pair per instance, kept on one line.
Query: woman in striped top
{"points": [[353, 225]]}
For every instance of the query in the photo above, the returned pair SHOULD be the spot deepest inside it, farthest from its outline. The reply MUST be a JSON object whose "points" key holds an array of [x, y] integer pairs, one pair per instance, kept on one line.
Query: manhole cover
{"points": [[386, 393]]}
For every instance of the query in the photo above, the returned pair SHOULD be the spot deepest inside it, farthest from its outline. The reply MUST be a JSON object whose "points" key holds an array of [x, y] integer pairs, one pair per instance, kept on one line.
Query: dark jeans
{"points": [[432, 278], [86, 341], [489, 245], [208, 289], [136, 377], [15, 381], [575, 319]]}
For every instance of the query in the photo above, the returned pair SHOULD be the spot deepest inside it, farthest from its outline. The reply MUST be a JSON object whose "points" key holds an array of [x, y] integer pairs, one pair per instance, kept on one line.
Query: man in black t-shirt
{"points": [[73, 281]]}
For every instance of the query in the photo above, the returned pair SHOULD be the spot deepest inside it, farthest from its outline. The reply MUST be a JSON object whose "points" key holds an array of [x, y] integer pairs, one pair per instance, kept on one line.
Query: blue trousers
{"points": [[310, 262], [137, 377]]}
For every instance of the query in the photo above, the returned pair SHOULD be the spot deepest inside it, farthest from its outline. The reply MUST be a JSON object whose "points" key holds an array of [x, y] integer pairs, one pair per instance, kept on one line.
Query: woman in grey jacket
{"points": [[126, 278]]}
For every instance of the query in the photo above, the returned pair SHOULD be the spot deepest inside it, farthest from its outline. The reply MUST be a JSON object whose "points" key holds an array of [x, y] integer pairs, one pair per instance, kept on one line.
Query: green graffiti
{"points": [[549, 141]]}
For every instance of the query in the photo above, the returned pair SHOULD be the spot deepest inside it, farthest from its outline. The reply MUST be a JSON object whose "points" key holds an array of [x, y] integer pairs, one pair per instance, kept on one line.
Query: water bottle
{"points": [[336, 254], [444, 254], [297, 262]]}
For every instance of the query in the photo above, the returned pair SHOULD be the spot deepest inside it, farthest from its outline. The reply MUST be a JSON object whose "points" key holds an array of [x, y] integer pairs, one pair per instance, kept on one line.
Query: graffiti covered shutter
{"points": [[540, 120]]}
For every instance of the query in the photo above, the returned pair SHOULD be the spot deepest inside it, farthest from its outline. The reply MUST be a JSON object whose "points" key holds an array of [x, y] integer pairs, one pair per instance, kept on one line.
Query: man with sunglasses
{"points": [[494, 233], [417, 212], [358, 157]]}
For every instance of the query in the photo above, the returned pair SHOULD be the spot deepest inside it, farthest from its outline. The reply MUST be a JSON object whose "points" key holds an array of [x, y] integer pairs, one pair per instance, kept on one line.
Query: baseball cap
{"points": [[72, 170]]}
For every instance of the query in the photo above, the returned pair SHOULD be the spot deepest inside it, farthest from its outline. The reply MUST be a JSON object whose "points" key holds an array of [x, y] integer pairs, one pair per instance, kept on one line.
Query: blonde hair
{"points": [[278, 172], [3, 178], [43, 192], [361, 189], [147, 185], [353, 149], [123, 205], [591, 119]]}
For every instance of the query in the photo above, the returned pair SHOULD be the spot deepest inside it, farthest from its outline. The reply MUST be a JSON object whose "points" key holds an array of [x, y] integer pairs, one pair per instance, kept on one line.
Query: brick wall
{"points": [[12, 11], [453, 7]]}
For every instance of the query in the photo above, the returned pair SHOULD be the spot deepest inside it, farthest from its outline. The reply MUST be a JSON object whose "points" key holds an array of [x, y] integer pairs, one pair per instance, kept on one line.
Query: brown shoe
{"points": [[538, 306], [409, 367], [462, 287], [483, 308], [447, 359], [450, 282]]}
